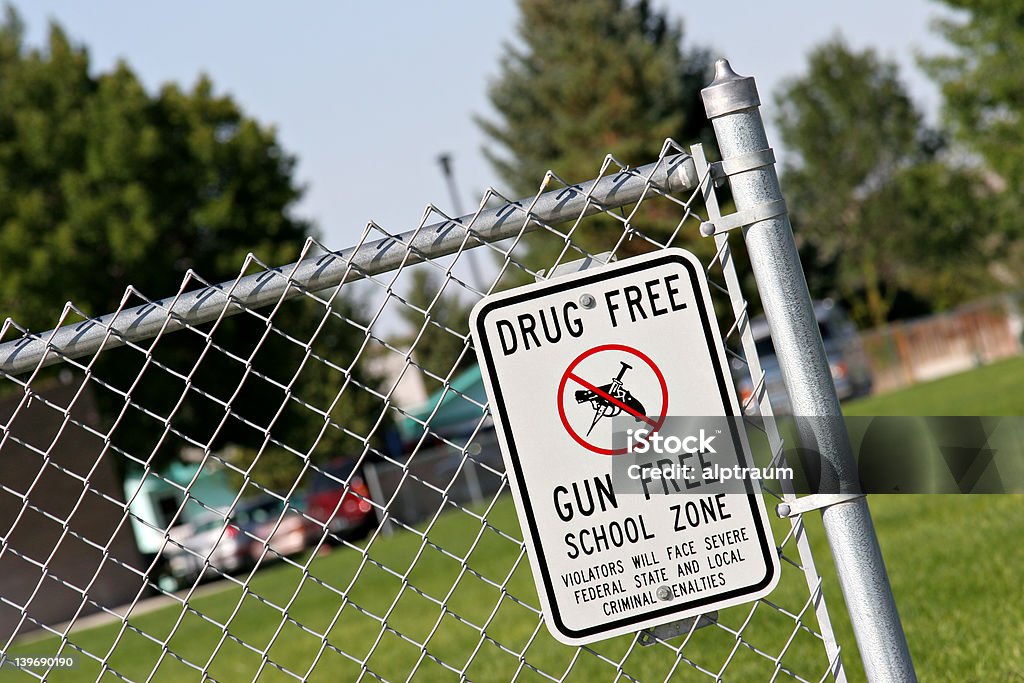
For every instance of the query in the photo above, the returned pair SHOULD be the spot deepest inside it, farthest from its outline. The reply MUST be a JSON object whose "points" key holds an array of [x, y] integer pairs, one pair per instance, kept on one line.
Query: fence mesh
{"points": [[302, 481]]}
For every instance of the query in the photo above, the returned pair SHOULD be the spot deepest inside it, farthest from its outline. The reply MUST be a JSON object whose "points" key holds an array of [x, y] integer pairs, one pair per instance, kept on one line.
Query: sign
{"points": [[567, 364], [611, 399]]}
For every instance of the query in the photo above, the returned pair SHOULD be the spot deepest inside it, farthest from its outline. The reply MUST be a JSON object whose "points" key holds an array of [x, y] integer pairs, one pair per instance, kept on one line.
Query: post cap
{"points": [[729, 92]]}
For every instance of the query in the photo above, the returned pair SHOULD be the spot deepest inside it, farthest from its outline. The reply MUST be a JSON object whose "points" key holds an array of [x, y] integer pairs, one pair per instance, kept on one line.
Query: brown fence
{"points": [[919, 350]]}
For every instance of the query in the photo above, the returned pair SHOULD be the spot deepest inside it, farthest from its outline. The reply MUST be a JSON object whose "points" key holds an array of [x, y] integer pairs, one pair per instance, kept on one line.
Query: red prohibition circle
{"points": [[568, 374]]}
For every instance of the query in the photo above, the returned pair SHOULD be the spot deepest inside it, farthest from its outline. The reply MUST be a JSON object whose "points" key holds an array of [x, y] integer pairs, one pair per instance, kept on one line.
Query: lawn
{"points": [[954, 561], [413, 610], [996, 389]]}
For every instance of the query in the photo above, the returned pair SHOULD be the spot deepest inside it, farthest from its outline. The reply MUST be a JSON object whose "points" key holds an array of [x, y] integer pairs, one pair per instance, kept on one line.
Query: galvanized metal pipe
{"points": [[732, 104], [674, 173]]}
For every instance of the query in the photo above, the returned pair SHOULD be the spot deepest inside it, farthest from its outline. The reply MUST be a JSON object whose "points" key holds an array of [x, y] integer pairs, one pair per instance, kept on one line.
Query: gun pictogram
{"points": [[602, 406]]}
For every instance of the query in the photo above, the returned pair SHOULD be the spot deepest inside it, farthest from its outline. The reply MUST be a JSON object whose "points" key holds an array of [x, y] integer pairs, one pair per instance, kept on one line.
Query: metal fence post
{"points": [[732, 104]]}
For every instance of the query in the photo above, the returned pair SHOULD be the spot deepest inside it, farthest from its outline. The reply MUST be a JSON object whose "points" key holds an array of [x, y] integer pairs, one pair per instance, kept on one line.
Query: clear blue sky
{"points": [[368, 94]]}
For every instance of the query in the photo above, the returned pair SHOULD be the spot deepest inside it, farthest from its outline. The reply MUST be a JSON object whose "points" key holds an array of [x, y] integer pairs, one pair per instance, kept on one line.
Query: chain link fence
{"points": [[286, 513]]}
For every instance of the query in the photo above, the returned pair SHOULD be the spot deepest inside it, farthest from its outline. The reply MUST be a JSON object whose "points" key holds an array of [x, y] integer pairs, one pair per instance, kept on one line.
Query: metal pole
{"points": [[732, 104]]}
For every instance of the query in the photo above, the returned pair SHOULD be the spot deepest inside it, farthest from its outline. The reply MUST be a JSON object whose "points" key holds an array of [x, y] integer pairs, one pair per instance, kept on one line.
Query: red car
{"points": [[345, 511]]}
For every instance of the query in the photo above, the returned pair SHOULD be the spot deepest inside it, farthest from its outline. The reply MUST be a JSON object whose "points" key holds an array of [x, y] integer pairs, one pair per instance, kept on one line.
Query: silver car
{"points": [[209, 541], [846, 358]]}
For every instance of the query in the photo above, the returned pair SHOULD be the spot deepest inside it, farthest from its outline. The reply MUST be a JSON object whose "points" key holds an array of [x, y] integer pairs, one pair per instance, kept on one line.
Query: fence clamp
{"points": [[585, 263], [719, 171], [817, 501], [674, 629]]}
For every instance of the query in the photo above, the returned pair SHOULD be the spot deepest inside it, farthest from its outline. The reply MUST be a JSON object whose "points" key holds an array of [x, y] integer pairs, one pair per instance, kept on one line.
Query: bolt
{"points": [[782, 510], [587, 301], [664, 593]]}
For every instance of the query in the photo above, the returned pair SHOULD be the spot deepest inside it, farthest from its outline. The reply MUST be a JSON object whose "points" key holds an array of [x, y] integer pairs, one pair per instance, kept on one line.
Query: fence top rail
{"points": [[670, 174]]}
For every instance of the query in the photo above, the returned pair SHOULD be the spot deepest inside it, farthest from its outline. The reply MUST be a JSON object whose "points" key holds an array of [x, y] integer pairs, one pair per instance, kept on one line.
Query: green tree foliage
{"points": [[869, 196], [104, 185], [438, 349], [939, 213], [984, 109], [324, 403], [99, 179], [587, 78]]}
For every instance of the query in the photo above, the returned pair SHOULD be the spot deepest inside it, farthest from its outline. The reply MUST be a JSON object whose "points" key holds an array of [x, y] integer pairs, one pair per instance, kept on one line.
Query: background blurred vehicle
{"points": [[344, 510], [208, 536], [846, 357], [269, 524], [226, 546]]}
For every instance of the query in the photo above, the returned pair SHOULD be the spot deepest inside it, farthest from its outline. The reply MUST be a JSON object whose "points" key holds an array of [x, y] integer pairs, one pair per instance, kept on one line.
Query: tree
{"points": [[101, 179], [102, 185], [438, 349], [325, 404], [591, 77], [982, 106], [937, 211], [863, 178]]}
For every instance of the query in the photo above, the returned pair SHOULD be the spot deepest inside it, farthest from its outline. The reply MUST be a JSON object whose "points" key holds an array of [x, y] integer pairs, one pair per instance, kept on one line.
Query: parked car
{"points": [[273, 526], [846, 357], [216, 544], [209, 541], [339, 500]]}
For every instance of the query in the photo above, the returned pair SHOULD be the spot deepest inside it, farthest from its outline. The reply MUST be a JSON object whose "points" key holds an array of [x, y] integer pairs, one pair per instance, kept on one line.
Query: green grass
{"points": [[955, 563], [996, 389], [413, 611]]}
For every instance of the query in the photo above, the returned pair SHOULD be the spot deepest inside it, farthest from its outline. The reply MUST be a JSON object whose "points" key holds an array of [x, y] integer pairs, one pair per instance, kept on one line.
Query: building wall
{"points": [[409, 392], [44, 467]]}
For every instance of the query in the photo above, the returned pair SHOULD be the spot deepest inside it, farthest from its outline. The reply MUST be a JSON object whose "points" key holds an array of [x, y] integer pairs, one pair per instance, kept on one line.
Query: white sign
{"points": [[637, 339]]}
